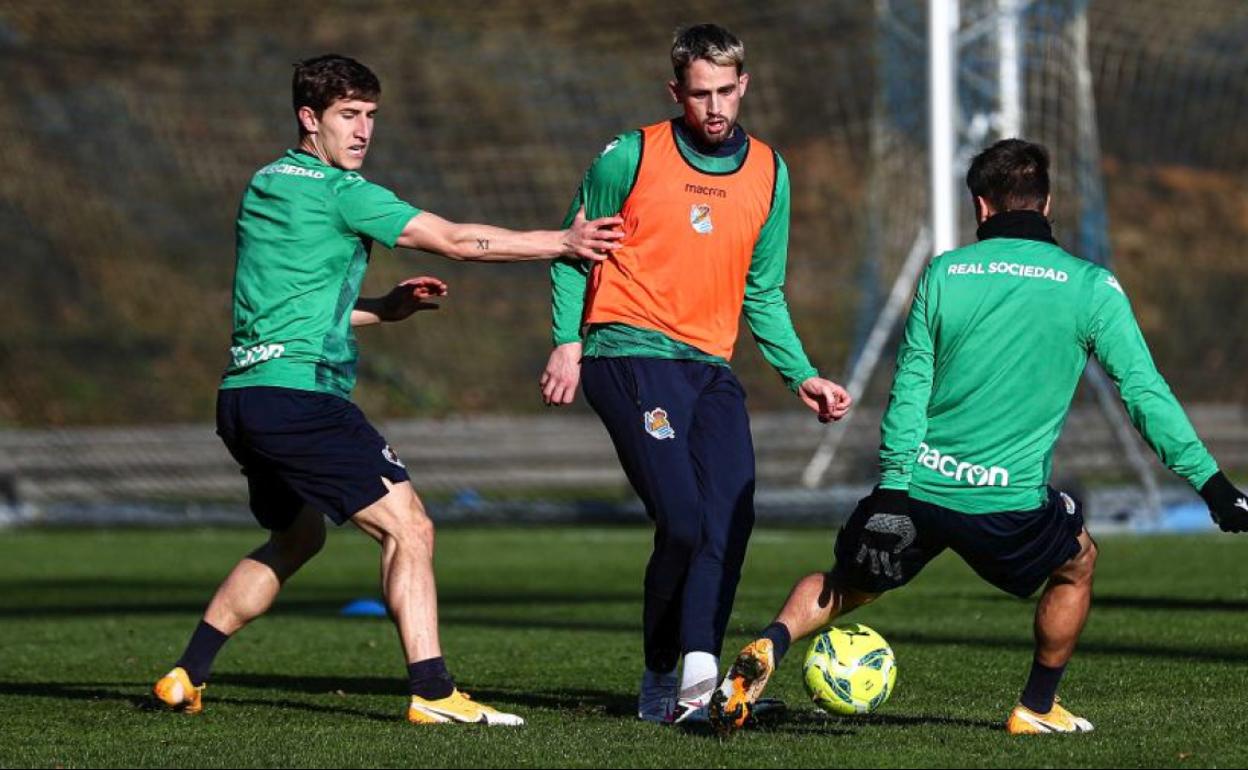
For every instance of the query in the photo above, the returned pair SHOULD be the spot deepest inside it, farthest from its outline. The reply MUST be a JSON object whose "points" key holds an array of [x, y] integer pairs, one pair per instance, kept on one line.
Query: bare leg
{"points": [[1060, 616], [1064, 606], [816, 601], [399, 523], [250, 588]]}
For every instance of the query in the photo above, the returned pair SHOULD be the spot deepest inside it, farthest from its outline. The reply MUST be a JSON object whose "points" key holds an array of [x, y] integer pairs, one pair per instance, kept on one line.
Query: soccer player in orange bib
{"points": [[649, 333]]}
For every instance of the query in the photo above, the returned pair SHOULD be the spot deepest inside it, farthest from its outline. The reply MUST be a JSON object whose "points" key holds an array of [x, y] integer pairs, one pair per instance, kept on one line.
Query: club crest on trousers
{"points": [[657, 424]]}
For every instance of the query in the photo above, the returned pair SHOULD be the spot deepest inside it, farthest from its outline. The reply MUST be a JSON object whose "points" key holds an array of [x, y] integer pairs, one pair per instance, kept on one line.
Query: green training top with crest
{"points": [[995, 344], [304, 232]]}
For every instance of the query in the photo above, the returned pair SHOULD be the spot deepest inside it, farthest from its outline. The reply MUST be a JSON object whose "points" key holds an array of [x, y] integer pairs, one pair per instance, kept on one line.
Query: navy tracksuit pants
{"points": [[683, 436]]}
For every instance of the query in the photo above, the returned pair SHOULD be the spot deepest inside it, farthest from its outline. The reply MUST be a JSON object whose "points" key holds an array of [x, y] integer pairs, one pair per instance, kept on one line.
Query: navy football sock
{"points": [[205, 643], [429, 678], [780, 638], [1041, 687]]}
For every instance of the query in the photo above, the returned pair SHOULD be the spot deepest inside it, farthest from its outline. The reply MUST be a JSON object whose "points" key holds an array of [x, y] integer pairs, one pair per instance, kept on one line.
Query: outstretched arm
{"points": [[1114, 336], [584, 239], [400, 302]]}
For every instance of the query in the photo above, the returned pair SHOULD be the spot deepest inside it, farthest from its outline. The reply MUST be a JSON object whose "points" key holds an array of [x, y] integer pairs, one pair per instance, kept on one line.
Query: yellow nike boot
{"points": [[1024, 721], [457, 707], [176, 691]]}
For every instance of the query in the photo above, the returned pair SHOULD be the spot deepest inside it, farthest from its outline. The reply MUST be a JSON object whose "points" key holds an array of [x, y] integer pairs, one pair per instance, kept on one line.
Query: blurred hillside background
{"points": [[132, 127]]}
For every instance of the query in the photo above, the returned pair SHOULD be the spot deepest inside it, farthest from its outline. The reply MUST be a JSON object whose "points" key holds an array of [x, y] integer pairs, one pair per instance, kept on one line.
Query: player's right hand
{"points": [[1227, 505], [562, 374], [592, 239], [825, 398]]}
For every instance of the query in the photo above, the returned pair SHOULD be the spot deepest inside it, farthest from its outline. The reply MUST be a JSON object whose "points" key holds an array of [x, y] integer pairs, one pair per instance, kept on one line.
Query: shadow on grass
{"points": [[55, 598], [1158, 603], [137, 697], [812, 722], [77, 597], [1230, 655], [600, 701], [583, 702], [1234, 655], [53, 608]]}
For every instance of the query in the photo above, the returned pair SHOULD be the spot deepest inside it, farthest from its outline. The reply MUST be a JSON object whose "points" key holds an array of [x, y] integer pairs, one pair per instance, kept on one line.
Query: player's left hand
{"points": [[1227, 505], [886, 532], [592, 239], [410, 297], [827, 399]]}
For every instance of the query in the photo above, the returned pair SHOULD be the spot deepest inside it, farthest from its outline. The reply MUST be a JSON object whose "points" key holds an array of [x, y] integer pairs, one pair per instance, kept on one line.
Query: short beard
{"points": [[708, 141]]}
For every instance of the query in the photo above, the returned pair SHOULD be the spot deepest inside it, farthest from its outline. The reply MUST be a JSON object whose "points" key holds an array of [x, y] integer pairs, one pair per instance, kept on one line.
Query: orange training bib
{"points": [[689, 240]]}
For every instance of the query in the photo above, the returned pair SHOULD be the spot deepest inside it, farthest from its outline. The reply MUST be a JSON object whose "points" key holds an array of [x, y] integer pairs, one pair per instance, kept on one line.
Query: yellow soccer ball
{"points": [[849, 670]]}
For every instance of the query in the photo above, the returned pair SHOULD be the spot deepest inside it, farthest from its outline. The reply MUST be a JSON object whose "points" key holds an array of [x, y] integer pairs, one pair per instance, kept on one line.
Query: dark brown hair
{"points": [[1011, 175], [323, 80]]}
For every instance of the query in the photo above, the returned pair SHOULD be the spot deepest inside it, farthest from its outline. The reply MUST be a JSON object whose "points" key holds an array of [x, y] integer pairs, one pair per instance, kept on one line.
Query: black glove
{"points": [[894, 501], [887, 531], [1227, 505]]}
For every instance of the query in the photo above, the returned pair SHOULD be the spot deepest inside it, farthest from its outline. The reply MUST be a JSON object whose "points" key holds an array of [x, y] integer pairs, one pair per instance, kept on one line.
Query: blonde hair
{"points": [[706, 41]]}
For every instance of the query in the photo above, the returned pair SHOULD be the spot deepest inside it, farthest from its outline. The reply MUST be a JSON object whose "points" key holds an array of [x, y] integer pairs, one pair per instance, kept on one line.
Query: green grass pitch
{"points": [[544, 621]]}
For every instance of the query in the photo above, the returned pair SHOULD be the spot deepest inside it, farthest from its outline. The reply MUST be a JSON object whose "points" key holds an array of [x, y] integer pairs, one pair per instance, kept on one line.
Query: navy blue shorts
{"points": [[302, 448], [1015, 551]]}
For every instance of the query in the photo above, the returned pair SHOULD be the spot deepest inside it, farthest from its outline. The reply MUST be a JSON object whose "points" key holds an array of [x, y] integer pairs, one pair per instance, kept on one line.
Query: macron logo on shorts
{"points": [[1069, 502], [392, 457]]}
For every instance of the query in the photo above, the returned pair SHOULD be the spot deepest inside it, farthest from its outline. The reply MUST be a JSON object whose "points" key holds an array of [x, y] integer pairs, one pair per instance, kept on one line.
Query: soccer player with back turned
{"points": [[305, 227], [997, 339], [650, 332]]}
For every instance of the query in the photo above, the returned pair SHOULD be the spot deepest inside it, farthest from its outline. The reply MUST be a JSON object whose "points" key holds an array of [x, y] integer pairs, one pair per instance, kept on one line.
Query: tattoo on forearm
{"points": [[483, 244]]}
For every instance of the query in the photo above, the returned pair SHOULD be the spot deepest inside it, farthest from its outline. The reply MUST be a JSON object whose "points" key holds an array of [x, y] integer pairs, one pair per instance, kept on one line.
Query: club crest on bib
{"points": [[700, 218], [657, 424]]}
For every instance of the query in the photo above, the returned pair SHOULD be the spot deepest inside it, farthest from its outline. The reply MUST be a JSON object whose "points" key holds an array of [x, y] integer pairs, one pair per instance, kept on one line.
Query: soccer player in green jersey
{"points": [[997, 339], [305, 228]]}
